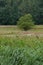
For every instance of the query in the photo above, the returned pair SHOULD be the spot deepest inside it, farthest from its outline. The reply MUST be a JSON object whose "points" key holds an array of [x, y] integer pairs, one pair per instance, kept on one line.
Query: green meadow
{"points": [[21, 49]]}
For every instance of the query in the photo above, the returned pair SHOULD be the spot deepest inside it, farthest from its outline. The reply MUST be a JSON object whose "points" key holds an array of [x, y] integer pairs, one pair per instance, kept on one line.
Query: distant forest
{"points": [[12, 10]]}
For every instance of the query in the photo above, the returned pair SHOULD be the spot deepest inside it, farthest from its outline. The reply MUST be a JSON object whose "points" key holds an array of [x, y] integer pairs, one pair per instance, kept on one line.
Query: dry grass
{"points": [[14, 31]]}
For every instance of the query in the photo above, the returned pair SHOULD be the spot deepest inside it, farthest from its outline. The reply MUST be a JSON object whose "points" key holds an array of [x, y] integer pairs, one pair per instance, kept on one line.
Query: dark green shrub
{"points": [[26, 22]]}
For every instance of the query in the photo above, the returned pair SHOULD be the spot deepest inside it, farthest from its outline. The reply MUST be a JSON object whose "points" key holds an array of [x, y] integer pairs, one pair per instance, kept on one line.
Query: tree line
{"points": [[12, 10]]}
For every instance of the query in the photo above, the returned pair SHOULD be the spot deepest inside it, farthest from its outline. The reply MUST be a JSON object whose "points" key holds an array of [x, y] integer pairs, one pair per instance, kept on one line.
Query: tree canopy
{"points": [[12, 10]]}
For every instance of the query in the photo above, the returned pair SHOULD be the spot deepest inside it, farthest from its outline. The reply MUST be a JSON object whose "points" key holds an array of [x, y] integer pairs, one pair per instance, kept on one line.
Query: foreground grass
{"points": [[21, 50], [17, 48]]}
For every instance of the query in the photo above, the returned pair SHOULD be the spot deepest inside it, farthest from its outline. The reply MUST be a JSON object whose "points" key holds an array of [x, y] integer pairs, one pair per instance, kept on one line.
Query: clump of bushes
{"points": [[26, 22]]}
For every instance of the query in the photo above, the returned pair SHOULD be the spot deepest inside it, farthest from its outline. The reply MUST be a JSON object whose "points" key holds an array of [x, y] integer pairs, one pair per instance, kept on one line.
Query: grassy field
{"points": [[19, 47], [13, 30]]}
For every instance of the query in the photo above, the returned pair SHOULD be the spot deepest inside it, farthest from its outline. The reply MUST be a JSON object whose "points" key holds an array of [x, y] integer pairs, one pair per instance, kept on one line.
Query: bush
{"points": [[26, 22]]}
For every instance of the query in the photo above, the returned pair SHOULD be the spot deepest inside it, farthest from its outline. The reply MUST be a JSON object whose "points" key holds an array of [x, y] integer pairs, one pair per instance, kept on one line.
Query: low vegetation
{"points": [[21, 51]]}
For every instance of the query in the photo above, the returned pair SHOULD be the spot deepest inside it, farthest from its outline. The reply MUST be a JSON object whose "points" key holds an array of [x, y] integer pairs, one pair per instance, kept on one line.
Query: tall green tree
{"points": [[12, 10], [37, 11]]}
